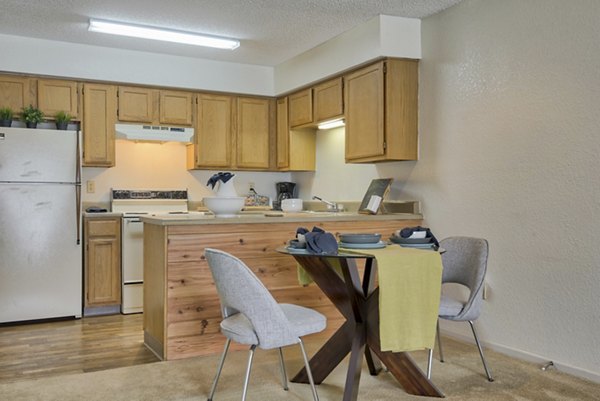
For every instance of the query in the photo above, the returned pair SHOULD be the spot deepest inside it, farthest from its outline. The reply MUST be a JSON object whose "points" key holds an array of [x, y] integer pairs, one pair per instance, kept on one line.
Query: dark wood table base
{"points": [[359, 335]]}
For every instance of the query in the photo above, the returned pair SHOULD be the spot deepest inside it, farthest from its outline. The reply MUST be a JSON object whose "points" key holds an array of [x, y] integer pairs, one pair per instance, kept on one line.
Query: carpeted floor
{"points": [[461, 378]]}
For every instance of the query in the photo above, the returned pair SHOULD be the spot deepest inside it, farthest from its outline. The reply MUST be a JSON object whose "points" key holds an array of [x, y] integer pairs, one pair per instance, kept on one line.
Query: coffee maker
{"points": [[285, 190]]}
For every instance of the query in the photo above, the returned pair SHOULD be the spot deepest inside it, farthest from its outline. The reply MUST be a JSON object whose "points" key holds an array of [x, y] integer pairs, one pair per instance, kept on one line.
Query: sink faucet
{"points": [[331, 206]]}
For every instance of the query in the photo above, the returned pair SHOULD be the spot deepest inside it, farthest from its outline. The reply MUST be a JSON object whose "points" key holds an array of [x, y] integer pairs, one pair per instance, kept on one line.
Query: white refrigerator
{"points": [[40, 224]]}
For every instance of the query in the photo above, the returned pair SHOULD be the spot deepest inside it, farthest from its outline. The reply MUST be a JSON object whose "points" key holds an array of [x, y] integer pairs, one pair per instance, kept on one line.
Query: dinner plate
{"points": [[418, 246], [346, 245], [400, 240], [360, 238]]}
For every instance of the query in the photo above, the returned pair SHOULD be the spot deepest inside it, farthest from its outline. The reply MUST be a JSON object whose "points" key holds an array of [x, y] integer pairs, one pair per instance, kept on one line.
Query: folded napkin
{"points": [[408, 231], [319, 241]]}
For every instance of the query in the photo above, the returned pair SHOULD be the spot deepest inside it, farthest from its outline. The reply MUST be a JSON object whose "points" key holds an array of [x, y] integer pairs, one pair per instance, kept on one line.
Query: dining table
{"points": [[358, 300]]}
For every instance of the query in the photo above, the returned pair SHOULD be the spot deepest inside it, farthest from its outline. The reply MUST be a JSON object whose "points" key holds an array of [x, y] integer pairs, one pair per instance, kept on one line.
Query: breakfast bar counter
{"points": [[181, 305]]}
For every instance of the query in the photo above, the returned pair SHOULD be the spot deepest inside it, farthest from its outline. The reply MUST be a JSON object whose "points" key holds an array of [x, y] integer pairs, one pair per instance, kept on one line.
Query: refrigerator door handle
{"points": [[78, 187]]}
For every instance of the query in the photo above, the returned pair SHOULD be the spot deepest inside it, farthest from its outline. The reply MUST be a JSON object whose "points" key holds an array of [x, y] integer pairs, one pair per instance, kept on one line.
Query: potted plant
{"points": [[6, 115], [31, 116], [62, 120]]}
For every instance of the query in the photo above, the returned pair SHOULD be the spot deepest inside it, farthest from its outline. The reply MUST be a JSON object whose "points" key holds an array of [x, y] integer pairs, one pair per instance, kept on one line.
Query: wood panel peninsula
{"points": [[181, 306]]}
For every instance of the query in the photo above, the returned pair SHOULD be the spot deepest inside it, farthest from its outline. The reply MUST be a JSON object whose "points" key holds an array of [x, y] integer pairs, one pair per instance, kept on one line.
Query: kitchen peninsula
{"points": [[181, 306]]}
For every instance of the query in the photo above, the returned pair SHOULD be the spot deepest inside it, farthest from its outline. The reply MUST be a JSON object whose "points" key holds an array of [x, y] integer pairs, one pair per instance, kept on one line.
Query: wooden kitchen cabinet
{"points": [[253, 133], [16, 92], [296, 149], [328, 100], [136, 104], [300, 108], [231, 132], [213, 132], [99, 118], [102, 264], [381, 112], [57, 95], [153, 106], [175, 107]]}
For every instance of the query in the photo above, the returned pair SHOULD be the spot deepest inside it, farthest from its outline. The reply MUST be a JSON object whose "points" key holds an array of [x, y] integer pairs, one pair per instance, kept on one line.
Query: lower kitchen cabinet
{"points": [[102, 265]]}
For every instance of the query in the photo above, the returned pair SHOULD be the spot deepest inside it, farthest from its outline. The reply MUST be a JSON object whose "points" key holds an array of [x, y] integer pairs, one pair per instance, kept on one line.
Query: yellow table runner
{"points": [[409, 296]]}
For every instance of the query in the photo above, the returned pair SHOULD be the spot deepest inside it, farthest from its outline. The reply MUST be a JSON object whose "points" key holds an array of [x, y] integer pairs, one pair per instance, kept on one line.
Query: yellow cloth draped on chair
{"points": [[409, 295]]}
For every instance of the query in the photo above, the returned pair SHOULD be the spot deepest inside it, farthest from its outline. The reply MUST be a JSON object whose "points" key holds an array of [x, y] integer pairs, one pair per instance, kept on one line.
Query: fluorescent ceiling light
{"points": [[332, 124], [146, 32]]}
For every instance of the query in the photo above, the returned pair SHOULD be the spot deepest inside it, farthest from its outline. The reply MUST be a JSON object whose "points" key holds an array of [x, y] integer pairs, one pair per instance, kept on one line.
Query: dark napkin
{"points": [[319, 241], [408, 231], [223, 177]]}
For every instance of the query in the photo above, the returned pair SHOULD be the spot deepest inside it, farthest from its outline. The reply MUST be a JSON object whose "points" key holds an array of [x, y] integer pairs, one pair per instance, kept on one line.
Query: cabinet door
{"points": [[99, 118], [253, 133], [102, 262], [213, 133], [15, 92], [283, 134], [175, 107], [136, 104], [329, 100], [301, 108], [364, 99], [55, 96]]}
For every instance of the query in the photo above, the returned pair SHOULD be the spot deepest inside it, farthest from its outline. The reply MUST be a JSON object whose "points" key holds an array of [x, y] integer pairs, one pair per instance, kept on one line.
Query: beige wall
{"points": [[509, 145], [510, 141]]}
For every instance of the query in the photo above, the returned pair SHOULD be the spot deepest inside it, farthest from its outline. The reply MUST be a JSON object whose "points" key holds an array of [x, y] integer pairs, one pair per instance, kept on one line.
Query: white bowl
{"points": [[291, 205], [224, 206]]}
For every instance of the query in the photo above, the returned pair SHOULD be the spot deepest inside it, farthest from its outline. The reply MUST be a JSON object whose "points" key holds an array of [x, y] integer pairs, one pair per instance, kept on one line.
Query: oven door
{"points": [[133, 265]]}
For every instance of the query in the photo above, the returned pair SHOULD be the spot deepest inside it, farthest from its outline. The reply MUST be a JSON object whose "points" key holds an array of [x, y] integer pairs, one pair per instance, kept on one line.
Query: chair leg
{"points": [[439, 340], [247, 378], [487, 371], [219, 369], [309, 372], [429, 362], [283, 374]]}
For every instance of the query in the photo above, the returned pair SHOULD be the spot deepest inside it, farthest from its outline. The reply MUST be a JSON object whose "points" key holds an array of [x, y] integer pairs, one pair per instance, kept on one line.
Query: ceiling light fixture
{"points": [[146, 32], [332, 124]]}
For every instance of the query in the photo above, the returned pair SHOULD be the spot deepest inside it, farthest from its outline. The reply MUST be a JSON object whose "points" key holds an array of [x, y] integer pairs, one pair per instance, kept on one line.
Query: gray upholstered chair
{"points": [[252, 316], [465, 262]]}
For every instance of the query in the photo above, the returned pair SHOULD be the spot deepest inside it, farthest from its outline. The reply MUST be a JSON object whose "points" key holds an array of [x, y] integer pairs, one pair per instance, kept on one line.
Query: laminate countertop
{"points": [[195, 218]]}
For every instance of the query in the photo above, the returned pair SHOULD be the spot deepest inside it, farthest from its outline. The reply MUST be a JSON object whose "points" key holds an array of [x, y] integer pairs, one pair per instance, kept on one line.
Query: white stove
{"points": [[133, 204]]}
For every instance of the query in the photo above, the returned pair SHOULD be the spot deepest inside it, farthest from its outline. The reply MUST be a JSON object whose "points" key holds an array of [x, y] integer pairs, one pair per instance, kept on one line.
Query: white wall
{"points": [[62, 59], [509, 95], [155, 166]]}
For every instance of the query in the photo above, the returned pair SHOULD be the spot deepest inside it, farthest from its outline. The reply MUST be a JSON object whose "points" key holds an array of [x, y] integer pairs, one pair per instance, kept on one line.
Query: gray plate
{"points": [[400, 240], [360, 238], [376, 245]]}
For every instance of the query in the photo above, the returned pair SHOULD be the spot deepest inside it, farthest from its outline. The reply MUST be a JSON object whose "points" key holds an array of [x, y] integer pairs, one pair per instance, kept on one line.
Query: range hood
{"points": [[155, 133]]}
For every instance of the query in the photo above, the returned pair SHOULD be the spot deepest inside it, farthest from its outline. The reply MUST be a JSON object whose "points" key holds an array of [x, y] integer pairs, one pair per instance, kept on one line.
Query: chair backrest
{"points": [[241, 291], [465, 262]]}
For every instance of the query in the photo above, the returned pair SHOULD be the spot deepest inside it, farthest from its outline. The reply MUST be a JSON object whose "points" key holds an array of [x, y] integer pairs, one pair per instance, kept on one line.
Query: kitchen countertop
{"points": [[260, 217], [101, 214]]}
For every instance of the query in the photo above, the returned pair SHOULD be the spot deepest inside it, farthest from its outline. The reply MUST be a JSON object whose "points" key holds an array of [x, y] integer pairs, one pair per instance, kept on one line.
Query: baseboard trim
{"points": [[527, 356]]}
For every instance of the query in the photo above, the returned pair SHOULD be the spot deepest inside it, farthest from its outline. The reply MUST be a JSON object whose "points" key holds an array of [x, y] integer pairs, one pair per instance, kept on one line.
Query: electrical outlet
{"points": [[91, 186], [250, 186]]}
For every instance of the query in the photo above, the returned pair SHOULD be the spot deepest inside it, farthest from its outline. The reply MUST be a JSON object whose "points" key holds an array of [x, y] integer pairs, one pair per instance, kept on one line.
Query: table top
{"points": [[340, 254]]}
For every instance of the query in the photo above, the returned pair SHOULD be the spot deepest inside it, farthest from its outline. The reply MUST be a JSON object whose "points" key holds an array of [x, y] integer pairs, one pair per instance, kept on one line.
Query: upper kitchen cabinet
{"points": [[231, 132], [295, 148], [16, 92], [175, 107], [213, 132], [253, 133], [381, 112], [136, 104], [153, 106], [328, 100], [57, 95], [99, 118], [300, 108]]}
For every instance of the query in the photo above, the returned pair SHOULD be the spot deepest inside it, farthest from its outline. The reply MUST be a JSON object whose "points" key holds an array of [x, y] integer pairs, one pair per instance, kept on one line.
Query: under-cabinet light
{"points": [[332, 124], [146, 32]]}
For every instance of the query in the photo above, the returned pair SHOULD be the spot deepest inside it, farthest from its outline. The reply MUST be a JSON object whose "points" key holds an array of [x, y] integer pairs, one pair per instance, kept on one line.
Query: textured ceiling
{"points": [[271, 31]]}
